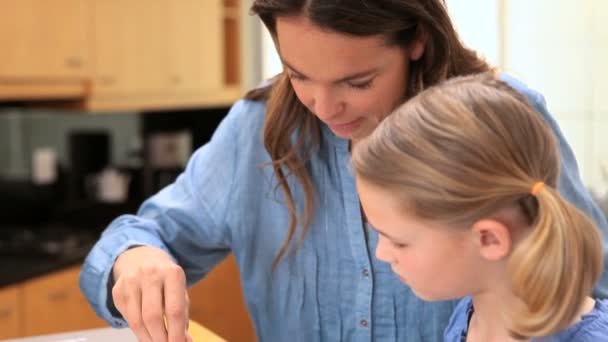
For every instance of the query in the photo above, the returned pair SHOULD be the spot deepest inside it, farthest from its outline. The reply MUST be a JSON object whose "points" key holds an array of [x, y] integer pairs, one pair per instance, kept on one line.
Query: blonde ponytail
{"points": [[555, 267]]}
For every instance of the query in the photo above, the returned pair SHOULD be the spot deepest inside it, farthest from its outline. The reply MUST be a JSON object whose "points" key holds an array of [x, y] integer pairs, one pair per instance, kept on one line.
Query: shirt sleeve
{"points": [[187, 219], [571, 186]]}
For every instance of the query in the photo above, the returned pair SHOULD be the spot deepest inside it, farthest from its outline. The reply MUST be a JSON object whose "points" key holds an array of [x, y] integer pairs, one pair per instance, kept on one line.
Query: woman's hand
{"points": [[149, 288]]}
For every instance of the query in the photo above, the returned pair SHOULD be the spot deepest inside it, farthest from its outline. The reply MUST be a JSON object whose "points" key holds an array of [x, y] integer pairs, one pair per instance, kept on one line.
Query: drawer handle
{"points": [[73, 62], [58, 295], [6, 313], [107, 80]]}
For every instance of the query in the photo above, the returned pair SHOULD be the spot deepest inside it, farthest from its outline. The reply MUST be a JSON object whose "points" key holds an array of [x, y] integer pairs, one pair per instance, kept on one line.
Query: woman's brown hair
{"points": [[462, 150], [291, 132]]}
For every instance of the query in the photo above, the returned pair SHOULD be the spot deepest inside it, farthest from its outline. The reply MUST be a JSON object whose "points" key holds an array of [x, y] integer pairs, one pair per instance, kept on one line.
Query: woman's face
{"points": [[350, 83]]}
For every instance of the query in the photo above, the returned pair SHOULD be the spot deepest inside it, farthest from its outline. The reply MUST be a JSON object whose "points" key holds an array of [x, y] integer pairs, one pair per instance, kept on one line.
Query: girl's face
{"points": [[350, 83], [436, 262]]}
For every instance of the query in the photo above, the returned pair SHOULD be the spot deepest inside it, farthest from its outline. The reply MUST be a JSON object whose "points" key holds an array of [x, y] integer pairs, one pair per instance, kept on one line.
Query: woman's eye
{"points": [[295, 76], [360, 85]]}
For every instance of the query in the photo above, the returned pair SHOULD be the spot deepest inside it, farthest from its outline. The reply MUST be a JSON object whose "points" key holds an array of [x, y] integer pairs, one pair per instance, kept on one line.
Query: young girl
{"points": [[460, 183]]}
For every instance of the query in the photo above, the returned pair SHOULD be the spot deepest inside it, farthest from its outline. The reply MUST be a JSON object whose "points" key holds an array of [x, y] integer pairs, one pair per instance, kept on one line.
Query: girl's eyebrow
{"points": [[350, 77], [392, 238]]}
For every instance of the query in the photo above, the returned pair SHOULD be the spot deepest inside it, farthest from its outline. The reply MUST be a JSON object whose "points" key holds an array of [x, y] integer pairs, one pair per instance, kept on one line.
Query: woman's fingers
{"points": [[150, 293], [176, 303], [152, 283], [128, 300]]}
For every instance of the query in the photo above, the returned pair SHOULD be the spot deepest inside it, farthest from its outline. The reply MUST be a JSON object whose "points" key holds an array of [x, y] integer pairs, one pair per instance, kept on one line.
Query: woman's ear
{"points": [[493, 238], [416, 50]]}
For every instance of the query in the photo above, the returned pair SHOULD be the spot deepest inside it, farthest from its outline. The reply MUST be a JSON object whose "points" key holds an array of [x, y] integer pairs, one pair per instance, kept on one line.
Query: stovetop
{"points": [[30, 251], [51, 241]]}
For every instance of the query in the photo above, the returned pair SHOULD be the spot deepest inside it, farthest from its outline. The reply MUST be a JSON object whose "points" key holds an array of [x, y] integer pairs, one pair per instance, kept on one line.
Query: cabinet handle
{"points": [[73, 62], [6, 313], [58, 295], [176, 79], [107, 80]]}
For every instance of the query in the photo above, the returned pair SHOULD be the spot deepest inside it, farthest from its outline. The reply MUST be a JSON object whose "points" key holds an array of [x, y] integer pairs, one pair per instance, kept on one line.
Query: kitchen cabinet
{"points": [[129, 40], [217, 302], [54, 303], [196, 44], [48, 304], [44, 48], [117, 55], [158, 54], [9, 313]]}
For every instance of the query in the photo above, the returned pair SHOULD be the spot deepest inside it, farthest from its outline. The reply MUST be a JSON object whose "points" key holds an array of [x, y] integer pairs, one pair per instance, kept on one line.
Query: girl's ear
{"points": [[493, 238]]}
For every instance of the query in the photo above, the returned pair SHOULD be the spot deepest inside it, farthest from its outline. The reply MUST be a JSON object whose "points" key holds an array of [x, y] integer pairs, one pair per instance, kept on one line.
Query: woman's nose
{"points": [[326, 105]]}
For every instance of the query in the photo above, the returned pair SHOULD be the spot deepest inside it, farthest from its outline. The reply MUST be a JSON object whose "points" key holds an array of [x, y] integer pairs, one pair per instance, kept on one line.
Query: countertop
{"points": [[198, 333]]}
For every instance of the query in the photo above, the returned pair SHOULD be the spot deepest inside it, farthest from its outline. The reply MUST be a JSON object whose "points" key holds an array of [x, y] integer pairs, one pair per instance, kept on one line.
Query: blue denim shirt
{"points": [[593, 326], [333, 289]]}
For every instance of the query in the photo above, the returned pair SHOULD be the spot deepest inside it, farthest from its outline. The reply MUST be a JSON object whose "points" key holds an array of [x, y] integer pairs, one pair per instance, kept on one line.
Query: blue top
{"points": [[593, 326], [335, 289]]}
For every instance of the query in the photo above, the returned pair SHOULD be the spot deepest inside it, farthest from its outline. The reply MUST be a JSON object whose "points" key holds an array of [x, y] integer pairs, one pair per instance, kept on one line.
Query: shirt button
{"points": [[363, 323], [365, 273]]}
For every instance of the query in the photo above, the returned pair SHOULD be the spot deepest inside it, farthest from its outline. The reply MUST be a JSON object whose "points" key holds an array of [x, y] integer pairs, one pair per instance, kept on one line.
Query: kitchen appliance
{"points": [[167, 154], [89, 153], [109, 186], [44, 166]]}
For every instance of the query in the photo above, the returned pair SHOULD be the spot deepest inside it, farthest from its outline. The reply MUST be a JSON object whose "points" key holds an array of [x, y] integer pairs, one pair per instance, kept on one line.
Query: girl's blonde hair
{"points": [[461, 150]]}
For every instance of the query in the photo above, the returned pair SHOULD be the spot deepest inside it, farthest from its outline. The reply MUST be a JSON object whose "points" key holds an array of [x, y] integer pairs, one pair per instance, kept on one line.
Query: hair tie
{"points": [[536, 188]]}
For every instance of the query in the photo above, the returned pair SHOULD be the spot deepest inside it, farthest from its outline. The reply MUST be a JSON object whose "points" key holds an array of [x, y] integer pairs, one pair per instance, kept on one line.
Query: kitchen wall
{"points": [[561, 48], [23, 130]]}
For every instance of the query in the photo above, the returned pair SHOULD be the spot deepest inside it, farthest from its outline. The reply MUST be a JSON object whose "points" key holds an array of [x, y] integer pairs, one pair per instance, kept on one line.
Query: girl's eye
{"points": [[361, 85], [399, 245]]}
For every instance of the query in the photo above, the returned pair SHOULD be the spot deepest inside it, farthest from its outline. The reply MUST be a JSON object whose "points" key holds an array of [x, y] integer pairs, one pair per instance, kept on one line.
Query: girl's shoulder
{"points": [[593, 326]]}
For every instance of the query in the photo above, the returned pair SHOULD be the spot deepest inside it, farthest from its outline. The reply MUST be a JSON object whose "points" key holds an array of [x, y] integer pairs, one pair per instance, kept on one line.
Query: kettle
{"points": [[109, 186]]}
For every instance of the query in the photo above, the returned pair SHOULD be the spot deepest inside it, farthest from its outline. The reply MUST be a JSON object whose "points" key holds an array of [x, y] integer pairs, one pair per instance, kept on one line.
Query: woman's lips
{"points": [[345, 127]]}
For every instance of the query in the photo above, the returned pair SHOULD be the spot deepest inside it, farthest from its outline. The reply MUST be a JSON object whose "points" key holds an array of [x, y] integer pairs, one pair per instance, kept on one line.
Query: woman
{"points": [[284, 202]]}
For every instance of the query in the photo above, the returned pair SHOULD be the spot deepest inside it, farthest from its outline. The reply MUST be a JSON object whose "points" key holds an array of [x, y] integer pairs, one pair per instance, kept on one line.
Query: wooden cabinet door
{"points": [[43, 40], [196, 45], [54, 303], [9, 313], [217, 302], [130, 39]]}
